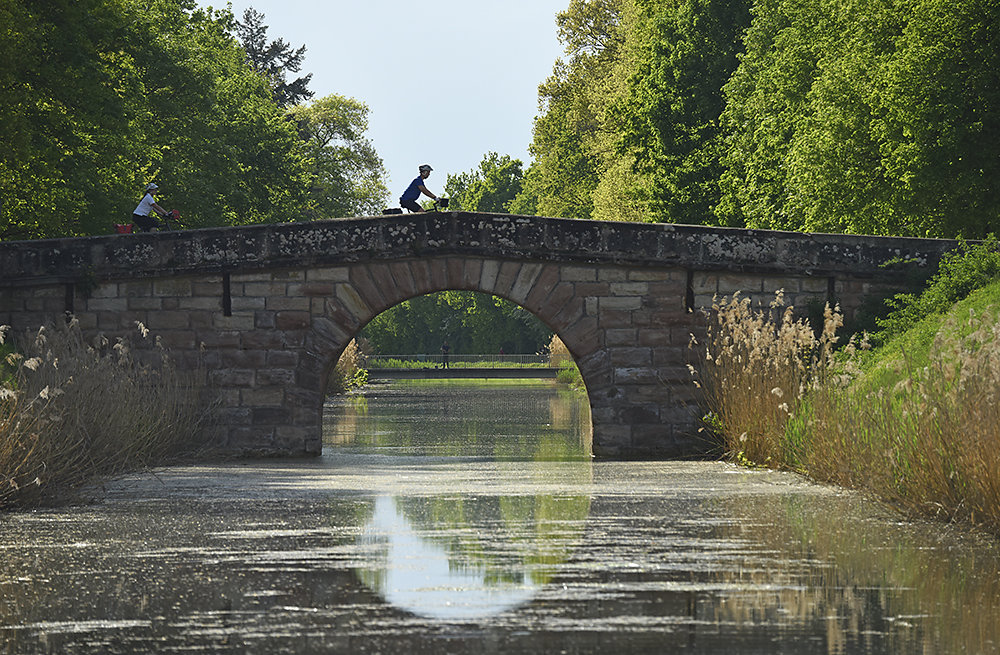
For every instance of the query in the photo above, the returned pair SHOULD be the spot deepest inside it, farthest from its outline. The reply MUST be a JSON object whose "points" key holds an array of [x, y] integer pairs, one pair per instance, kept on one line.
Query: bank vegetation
{"points": [[910, 414], [73, 412]]}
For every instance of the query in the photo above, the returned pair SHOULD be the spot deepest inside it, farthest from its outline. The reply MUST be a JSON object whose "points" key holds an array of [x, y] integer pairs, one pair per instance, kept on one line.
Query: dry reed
{"points": [[350, 371], [72, 412], [758, 365], [920, 434]]}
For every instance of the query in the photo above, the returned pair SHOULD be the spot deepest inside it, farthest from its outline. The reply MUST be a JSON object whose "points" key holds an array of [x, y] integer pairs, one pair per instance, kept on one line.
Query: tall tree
{"points": [[347, 175], [867, 117], [103, 96], [682, 54], [490, 188], [274, 60], [569, 141]]}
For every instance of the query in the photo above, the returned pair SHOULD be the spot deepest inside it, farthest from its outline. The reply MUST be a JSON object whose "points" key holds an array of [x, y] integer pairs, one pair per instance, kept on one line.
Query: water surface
{"points": [[469, 518]]}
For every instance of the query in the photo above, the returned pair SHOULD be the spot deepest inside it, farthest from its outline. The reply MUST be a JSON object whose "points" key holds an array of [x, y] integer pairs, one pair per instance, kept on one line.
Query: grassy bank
{"points": [[72, 412], [915, 420]]}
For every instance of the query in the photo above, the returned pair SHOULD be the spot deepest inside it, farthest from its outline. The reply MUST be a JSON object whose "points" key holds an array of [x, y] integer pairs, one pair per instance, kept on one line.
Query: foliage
{"points": [[347, 175], [100, 97], [472, 323], [758, 365], [273, 60], [103, 96], [350, 371], [667, 117], [960, 272], [873, 118], [490, 188], [560, 357], [872, 121], [568, 133], [72, 412], [915, 421]]}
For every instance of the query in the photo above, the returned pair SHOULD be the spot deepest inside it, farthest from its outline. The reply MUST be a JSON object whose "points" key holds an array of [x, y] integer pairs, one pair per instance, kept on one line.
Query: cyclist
{"points": [[142, 216]]}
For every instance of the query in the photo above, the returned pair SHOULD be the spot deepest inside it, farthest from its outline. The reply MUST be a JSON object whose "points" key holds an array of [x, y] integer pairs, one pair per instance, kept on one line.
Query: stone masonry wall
{"points": [[265, 312]]}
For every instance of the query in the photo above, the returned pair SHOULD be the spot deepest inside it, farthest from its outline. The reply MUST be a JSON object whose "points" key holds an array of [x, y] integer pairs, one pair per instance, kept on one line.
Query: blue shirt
{"points": [[413, 191]]}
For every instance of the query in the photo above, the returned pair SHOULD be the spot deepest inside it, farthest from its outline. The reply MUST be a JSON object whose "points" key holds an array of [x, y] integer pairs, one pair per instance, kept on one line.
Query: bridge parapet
{"points": [[269, 308]]}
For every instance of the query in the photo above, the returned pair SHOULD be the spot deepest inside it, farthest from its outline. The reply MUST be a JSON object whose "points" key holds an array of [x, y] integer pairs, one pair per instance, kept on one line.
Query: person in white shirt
{"points": [[142, 216]]}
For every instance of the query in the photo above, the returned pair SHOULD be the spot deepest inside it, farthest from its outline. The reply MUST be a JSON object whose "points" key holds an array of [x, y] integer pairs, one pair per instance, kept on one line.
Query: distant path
{"points": [[457, 372]]}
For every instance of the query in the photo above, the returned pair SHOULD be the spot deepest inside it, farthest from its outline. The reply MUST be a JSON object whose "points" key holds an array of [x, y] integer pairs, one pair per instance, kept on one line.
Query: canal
{"points": [[467, 517]]}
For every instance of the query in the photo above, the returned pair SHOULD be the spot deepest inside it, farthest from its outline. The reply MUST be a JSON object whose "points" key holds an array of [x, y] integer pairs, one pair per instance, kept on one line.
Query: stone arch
{"points": [[369, 289]]}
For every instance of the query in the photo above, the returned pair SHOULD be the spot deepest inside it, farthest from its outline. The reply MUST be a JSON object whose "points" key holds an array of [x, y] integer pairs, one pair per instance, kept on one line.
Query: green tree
{"points": [[273, 60], [682, 54], [347, 175], [472, 322], [103, 96], [569, 140], [870, 118], [490, 188]]}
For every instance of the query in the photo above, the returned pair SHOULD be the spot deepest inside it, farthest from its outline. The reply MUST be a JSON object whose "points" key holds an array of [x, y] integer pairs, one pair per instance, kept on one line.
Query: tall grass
{"points": [[759, 364], [350, 371], [918, 426], [561, 358], [72, 411]]}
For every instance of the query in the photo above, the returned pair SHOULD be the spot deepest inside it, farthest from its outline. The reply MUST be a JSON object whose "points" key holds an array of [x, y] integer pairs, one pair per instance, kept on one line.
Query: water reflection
{"points": [[469, 555], [505, 420], [371, 549]]}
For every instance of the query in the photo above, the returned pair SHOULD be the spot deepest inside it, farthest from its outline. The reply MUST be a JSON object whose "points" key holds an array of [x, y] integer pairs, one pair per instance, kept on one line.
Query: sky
{"points": [[445, 81]]}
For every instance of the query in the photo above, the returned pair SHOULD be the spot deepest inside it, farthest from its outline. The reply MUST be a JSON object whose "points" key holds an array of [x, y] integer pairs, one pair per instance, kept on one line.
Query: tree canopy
{"points": [[472, 323], [865, 118], [100, 97]]}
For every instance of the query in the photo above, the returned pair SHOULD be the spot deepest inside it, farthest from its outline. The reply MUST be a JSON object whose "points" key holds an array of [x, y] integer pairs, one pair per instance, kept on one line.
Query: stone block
{"points": [[606, 274], [613, 320], [488, 275], [705, 283], [232, 378], [472, 274], [144, 304], [107, 305], [281, 359], [269, 396], [311, 289], [286, 304], [327, 275], [420, 277], [271, 415], [592, 289], [262, 340], [635, 375], [178, 287], [629, 288], [292, 320], [505, 278], [627, 303], [543, 286], [657, 275], [569, 273], [631, 357], [730, 283], [403, 279], [623, 337], [524, 282], [353, 303]]}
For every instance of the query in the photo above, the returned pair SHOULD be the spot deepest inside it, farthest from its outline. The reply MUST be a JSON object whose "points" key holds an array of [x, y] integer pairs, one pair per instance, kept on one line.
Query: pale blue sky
{"points": [[446, 81]]}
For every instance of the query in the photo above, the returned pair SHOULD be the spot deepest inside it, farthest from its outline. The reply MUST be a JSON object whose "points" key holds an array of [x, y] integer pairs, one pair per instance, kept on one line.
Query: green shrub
{"points": [[960, 272]]}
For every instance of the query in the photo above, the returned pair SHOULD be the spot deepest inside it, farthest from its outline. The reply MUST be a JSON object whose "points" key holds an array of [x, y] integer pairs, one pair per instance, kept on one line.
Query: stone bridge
{"points": [[266, 310]]}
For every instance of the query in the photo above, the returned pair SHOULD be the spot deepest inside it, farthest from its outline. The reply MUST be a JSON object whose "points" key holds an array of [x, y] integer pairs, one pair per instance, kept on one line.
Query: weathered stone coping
{"points": [[338, 241]]}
